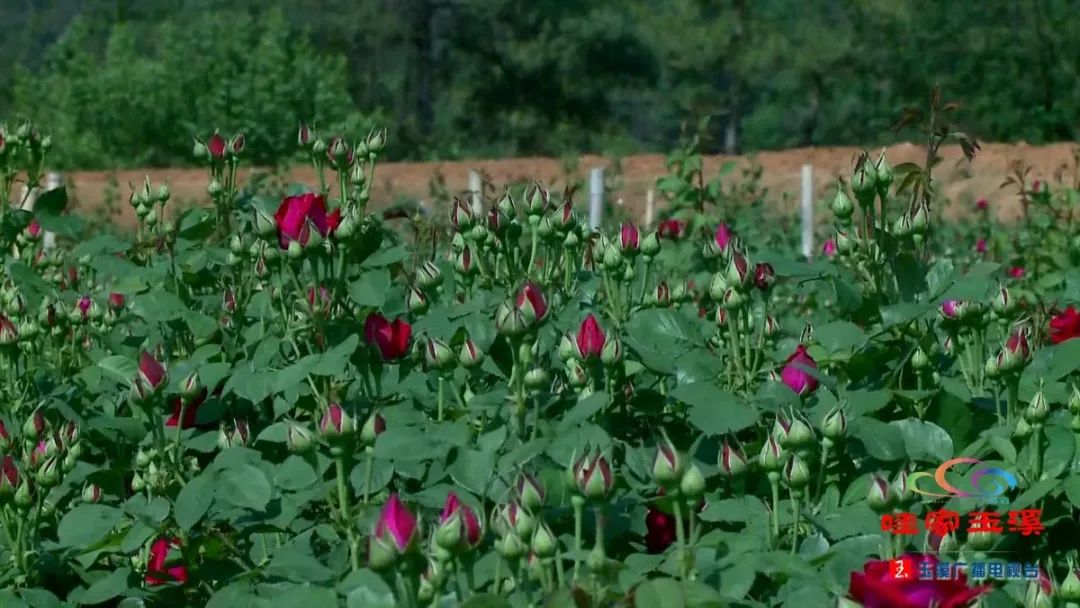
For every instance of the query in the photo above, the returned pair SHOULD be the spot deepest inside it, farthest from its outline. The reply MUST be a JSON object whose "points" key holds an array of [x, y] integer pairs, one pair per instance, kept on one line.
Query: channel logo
{"points": [[988, 484]]}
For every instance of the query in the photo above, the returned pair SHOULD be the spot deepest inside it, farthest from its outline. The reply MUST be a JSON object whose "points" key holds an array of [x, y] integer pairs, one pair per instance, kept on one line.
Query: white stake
{"points": [[807, 210], [476, 191], [596, 197]]}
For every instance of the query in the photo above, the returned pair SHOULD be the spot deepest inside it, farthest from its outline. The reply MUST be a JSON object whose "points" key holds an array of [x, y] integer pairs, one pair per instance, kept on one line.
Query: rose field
{"points": [[287, 396]]}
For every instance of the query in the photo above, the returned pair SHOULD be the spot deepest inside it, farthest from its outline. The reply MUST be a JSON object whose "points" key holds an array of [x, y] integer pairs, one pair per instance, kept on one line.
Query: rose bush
{"points": [[278, 399]]}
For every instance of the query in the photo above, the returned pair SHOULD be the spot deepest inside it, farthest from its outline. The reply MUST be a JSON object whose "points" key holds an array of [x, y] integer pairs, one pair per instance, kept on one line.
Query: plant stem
{"points": [[826, 451], [796, 511], [579, 515], [680, 536], [497, 583], [1014, 398], [532, 252], [1036, 452], [343, 507], [774, 482], [367, 473], [442, 396]]}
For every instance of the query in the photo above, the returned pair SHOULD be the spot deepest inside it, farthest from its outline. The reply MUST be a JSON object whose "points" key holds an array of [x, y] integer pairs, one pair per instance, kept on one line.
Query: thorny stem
{"points": [[343, 505]]}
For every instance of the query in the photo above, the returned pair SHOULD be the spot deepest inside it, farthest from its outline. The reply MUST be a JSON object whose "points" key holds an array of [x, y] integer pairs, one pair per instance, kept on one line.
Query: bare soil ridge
{"points": [[963, 182]]}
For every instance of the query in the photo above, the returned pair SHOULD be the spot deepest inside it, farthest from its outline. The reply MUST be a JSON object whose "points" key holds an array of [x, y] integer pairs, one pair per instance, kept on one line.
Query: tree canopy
{"points": [[129, 82]]}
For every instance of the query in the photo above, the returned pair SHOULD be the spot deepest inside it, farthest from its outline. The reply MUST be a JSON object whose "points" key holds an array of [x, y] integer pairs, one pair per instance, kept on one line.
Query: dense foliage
{"points": [[278, 399], [500, 78]]}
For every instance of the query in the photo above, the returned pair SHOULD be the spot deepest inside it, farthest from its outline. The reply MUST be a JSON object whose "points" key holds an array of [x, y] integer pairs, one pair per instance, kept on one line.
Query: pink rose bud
{"points": [[590, 339], [9, 333], [829, 248], [532, 304], [1017, 272], [34, 426], [723, 236], [83, 304], [461, 215], [395, 534], [33, 231], [629, 238], [9, 477], [152, 375], [228, 301], [373, 427], [764, 276], [980, 246], [336, 422], [982, 204], [236, 146], [595, 479], [952, 309], [303, 136], [795, 377], [116, 301], [216, 146], [668, 464], [530, 492], [731, 460], [459, 527], [319, 300]]}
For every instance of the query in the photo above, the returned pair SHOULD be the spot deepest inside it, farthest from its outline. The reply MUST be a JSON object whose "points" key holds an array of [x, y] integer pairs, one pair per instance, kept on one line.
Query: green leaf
{"points": [[925, 440], [40, 598], [737, 510], [407, 444], [486, 600], [107, 587], [371, 288], [660, 593], [369, 581], [304, 596], [582, 411], [158, 306], [1060, 449], [1004, 447], [194, 500], [472, 469], [294, 563], [295, 474], [245, 486], [87, 524], [386, 257], [122, 369], [880, 440], [839, 337], [713, 410], [235, 595], [1072, 489]]}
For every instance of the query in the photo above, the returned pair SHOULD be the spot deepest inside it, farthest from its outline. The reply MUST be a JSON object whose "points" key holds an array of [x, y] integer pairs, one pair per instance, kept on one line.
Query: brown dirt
{"points": [[963, 182]]}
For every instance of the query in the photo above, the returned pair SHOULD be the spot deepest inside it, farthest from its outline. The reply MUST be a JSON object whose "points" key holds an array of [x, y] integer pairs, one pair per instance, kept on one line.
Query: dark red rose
{"points": [[878, 587], [159, 570], [190, 412], [391, 339], [1065, 326], [670, 229]]}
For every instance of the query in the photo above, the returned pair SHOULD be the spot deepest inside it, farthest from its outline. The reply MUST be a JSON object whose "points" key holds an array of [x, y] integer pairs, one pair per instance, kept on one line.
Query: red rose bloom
{"points": [[158, 570], [670, 229], [1065, 326], [297, 214], [877, 587], [391, 339]]}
